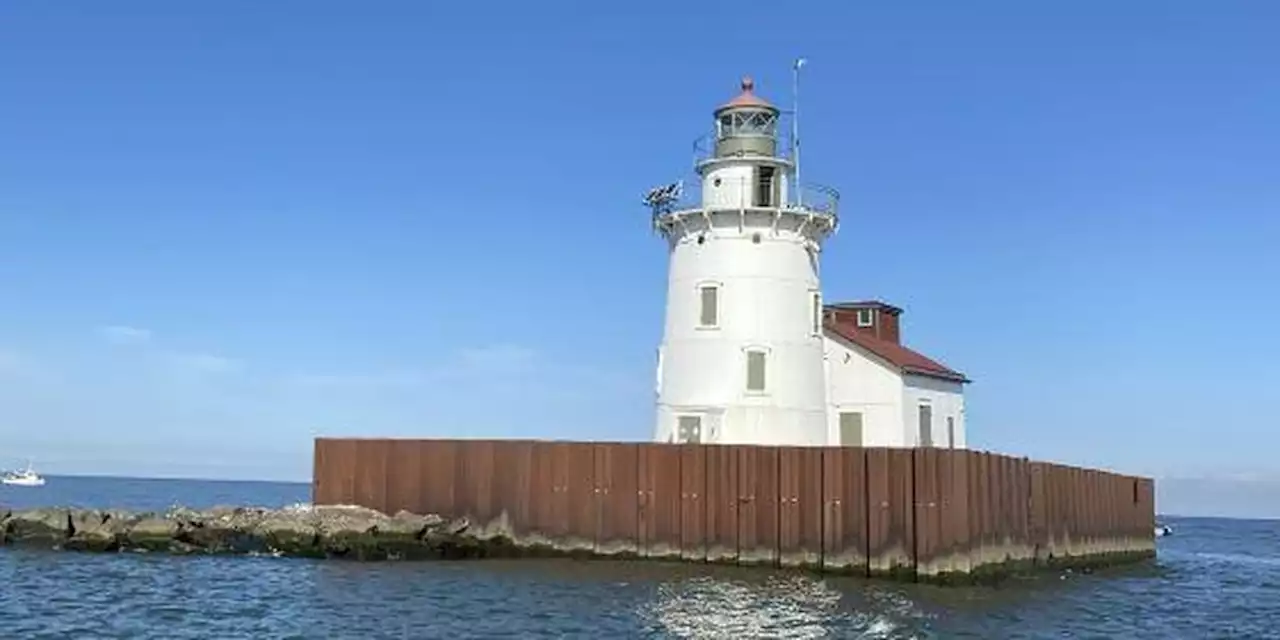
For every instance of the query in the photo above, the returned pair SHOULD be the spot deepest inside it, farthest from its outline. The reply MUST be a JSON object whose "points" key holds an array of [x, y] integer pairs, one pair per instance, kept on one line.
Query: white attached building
{"points": [[879, 392], [749, 354]]}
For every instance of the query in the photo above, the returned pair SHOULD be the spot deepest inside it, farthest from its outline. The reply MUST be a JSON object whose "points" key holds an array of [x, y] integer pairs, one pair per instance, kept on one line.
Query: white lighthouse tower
{"points": [[741, 359]]}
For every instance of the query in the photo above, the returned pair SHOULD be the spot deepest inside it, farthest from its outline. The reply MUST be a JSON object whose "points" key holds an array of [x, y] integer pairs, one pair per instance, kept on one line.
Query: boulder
{"points": [[305, 531], [452, 539], [290, 533], [38, 526], [222, 530], [97, 530], [351, 532], [366, 534], [151, 532], [403, 536]]}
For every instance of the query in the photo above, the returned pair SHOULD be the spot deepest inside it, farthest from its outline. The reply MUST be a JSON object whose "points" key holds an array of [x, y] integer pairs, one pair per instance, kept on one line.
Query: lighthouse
{"points": [[741, 357]]}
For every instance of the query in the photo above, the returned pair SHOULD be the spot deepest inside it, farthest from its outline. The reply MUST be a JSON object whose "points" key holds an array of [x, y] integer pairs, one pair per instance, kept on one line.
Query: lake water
{"points": [[1213, 579]]}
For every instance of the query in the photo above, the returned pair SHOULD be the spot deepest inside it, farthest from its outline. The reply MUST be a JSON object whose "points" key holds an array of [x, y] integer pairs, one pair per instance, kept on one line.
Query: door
{"points": [[689, 429], [766, 187]]}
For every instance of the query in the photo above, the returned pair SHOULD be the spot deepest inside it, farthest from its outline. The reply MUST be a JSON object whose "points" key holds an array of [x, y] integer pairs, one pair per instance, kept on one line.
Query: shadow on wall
{"points": [[1218, 497]]}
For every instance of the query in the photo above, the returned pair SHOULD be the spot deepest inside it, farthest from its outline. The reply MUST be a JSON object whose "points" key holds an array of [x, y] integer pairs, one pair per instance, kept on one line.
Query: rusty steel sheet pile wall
{"points": [[928, 514]]}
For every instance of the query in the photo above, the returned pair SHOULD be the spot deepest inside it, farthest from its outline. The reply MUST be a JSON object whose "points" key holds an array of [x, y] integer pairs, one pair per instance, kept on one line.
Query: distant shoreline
{"points": [[90, 476], [1160, 516]]}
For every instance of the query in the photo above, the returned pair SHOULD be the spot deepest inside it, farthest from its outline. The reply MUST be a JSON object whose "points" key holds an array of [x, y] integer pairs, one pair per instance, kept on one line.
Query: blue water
{"points": [[1213, 579], [149, 494]]}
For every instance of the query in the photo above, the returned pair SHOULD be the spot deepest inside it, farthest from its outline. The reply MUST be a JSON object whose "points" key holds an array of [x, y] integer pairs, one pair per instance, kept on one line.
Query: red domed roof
{"points": [[747, 98]]}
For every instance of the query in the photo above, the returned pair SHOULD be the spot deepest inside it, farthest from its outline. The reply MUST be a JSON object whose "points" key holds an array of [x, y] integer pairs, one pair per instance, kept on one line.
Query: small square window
{"points": [[866, 317]]}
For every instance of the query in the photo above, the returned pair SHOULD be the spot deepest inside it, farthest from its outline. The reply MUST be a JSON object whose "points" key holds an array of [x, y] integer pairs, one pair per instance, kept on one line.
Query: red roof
{"points": [[905, 359], [867, 304], [747, 98]]}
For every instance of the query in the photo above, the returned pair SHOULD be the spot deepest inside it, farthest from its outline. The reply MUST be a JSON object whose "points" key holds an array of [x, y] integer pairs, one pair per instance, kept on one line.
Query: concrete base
{"points": [[362, 534]]}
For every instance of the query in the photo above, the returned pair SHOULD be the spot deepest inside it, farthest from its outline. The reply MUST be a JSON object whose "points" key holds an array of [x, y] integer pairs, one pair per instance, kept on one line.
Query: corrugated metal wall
{"points": [[905, 512]]}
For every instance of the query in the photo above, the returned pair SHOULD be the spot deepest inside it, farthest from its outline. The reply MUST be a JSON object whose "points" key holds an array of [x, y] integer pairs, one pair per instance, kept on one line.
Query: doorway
{"points": [[689, 429], [766, 187]]}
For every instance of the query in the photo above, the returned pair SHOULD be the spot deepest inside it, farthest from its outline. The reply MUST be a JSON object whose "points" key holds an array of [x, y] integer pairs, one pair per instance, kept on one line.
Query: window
{"points": [[851, 428], [866, 317], [816, 321], [755, 371], [951, 432], [926, 425], [709, 306], [748, 123], [690, 429]]}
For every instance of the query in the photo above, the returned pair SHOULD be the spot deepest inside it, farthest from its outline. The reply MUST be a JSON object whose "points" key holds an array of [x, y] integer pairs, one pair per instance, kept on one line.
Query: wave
{"points": [[786, 607]]}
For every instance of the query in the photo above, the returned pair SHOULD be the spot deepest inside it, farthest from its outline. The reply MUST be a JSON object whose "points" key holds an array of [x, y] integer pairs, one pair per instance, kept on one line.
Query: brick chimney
{"points": [[869, 317]]}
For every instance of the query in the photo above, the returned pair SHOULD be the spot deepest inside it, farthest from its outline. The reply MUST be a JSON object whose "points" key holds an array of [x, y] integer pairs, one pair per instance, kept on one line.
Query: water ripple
{"points": [[1214, 579]]}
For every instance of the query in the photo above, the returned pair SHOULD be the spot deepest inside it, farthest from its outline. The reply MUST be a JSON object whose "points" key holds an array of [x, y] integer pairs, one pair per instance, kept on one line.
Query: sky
{"points": [[227, 228]]}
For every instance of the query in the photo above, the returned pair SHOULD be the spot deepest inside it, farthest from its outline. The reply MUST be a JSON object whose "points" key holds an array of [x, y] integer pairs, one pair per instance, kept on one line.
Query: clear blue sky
{"points": [[228, 227]]}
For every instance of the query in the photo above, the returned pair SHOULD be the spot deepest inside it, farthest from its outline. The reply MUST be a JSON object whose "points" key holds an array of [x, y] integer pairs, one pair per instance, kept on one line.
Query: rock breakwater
{"points": [[301, 531]]}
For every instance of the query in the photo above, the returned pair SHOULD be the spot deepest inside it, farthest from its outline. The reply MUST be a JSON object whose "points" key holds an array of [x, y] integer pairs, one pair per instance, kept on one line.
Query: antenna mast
{"points": [[663, 199], [795, 126]]}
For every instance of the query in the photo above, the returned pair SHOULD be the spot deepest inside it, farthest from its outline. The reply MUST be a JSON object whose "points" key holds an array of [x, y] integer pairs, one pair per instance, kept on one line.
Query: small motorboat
{"points": [[25, 478], [1163, 530]]}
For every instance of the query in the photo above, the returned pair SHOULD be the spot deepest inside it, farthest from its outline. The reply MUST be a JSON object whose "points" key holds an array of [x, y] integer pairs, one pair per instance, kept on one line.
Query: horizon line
{"points": [[172, 477]]}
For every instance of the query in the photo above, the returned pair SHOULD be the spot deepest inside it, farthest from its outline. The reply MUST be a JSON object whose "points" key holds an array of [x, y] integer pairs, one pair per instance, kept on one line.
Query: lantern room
{"points": [[746, 125]]}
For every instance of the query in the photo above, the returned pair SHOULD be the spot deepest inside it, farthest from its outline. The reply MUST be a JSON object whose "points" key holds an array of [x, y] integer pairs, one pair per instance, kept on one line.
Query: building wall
{"points": [[730, 184], [946, 399], [885, 325], [766, 277], [860, 382]]}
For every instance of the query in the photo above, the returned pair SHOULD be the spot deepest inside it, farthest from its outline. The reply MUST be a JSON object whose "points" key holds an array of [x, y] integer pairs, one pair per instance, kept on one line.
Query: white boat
{"points": [[25, 478]]}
